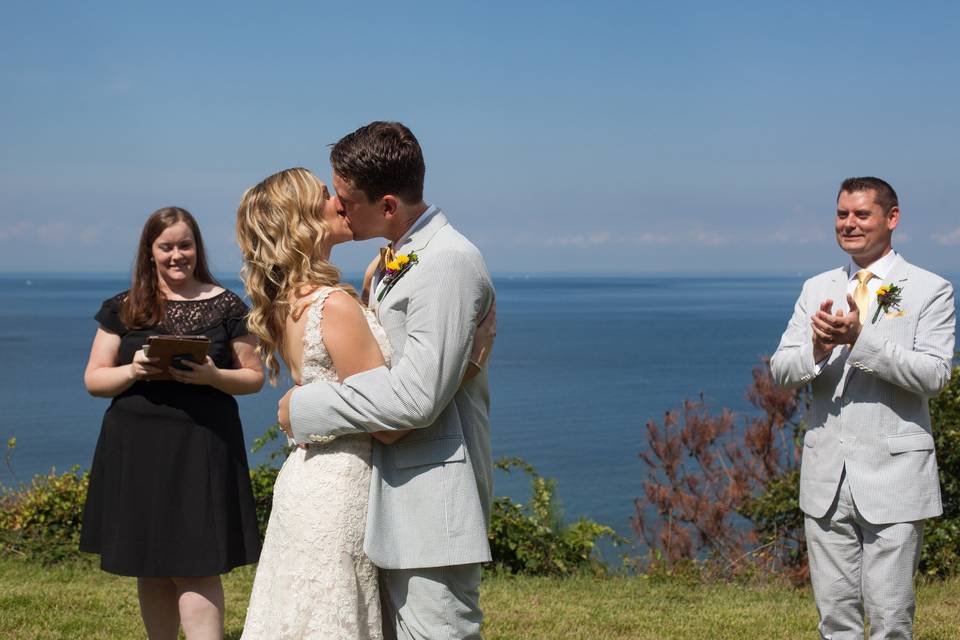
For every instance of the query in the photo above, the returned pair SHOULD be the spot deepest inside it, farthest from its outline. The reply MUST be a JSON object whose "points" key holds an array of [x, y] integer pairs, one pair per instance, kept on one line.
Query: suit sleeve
{"points": [[792, 365], [925, 369], [449, 297]]}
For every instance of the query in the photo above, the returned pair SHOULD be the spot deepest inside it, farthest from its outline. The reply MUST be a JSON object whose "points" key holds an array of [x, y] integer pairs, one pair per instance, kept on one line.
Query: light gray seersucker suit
{"points": [[431, 492], [869, 410]]}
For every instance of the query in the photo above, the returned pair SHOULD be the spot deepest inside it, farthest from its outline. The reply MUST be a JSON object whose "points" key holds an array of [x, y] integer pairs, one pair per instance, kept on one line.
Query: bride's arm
{"points": [[444, 302], [351, 345]]}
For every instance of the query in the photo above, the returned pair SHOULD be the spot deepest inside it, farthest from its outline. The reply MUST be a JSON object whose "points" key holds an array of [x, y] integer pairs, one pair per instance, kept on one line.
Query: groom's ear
{"points": [[390, 206]]}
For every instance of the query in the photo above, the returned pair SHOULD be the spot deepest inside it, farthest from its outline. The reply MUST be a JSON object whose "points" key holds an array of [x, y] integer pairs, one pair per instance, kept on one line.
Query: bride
{"points": [[313, 579]]}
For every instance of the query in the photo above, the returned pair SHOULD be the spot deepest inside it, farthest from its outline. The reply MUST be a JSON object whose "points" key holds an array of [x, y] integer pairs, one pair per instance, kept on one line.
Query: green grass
{"points": [[76, 601]]}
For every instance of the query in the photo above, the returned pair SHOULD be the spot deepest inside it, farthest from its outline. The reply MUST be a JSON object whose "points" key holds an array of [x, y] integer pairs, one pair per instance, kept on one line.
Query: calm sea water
{"points": [[579, 366]]}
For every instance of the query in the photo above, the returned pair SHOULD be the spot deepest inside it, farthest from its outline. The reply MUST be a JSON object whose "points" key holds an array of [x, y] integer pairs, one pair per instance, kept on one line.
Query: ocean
{"points": [[579, 366]]}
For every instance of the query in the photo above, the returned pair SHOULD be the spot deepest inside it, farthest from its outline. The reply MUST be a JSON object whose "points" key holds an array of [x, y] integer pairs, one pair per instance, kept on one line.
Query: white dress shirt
{"points": [[398, 248], [879, 269]]}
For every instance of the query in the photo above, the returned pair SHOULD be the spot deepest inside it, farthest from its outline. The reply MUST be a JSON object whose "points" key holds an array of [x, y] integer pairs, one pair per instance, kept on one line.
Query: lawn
{"points": [[75, 602]]}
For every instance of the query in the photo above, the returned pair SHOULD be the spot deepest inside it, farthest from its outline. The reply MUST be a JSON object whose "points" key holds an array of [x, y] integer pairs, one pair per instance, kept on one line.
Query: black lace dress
{"points": [[169, 487]]}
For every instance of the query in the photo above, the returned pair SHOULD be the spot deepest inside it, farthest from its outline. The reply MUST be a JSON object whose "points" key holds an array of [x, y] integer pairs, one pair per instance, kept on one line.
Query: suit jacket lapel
{"points": [[417, 241], [899, 272], [420, 238]]}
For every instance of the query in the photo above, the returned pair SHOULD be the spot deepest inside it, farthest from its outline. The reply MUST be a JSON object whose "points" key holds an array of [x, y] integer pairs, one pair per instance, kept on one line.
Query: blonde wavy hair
{"points": [[280, 229]]}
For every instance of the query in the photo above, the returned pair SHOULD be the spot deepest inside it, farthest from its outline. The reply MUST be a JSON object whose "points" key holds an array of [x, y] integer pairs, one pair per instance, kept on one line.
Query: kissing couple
{"points": [[380, 514]]}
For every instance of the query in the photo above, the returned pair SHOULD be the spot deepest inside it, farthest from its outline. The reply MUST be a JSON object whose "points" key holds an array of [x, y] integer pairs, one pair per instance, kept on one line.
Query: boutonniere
{"points": [[888, 297], [395, 270]]}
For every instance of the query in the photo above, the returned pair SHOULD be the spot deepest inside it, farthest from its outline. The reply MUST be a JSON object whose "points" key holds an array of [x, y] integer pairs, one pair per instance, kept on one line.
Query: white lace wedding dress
{"points": [[313, 579]]}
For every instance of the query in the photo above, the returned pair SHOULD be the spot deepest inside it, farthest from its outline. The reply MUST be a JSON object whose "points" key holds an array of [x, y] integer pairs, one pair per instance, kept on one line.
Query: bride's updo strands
{"points": [[280, 229]]}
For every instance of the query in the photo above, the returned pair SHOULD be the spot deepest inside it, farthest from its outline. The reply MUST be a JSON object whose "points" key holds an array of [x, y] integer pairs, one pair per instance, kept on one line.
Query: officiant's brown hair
{"points": [[145, 303], [381, 158]]}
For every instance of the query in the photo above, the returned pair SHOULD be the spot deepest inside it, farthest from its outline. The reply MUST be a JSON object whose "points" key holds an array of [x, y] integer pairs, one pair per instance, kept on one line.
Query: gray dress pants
{"points": [[856, 565], [436, 603]]}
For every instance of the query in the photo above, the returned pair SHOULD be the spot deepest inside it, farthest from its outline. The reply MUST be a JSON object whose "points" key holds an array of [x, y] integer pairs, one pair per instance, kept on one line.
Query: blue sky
{"points": [[617, 137]]}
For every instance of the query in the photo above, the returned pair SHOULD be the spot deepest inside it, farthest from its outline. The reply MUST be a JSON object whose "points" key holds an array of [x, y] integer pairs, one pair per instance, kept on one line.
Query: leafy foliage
{"points": [[270, 435], [940, 554], [526, 539], [42, 521], [532, 539], [263, 477], [262, 480]]}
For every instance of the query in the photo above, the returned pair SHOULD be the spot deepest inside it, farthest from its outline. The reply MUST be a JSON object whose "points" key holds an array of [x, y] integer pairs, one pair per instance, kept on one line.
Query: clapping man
{"points": [[875, 340]]}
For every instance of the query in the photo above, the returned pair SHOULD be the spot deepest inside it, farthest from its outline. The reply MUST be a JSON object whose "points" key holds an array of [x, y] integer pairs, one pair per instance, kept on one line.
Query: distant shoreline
{"points": [[497, 275]]}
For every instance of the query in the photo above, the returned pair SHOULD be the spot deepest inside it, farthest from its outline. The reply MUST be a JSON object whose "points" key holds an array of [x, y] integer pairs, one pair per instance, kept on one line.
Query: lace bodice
{"points": [[316, 363], [187, 317]]}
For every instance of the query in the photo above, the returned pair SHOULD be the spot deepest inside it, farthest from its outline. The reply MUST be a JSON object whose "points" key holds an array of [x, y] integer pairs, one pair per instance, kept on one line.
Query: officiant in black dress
{"points": [[170, 500]]}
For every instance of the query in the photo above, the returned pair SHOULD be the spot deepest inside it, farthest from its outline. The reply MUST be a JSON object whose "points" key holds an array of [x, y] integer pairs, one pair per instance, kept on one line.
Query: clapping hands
{"points": [[832, 329]]}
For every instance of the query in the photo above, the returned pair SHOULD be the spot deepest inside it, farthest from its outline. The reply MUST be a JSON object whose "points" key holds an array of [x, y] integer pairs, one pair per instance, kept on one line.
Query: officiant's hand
{"points": [[200, 372], [283, 412], [142, 366]]}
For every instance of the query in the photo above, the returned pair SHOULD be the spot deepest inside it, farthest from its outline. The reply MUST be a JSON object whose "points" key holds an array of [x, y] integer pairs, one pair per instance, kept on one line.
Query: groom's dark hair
{"points": [[884, 195], [381, 158]]}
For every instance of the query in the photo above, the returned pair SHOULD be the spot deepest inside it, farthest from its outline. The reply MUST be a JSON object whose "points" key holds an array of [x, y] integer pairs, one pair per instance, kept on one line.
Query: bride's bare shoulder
{"points": [[340, 303], [302, 298]]}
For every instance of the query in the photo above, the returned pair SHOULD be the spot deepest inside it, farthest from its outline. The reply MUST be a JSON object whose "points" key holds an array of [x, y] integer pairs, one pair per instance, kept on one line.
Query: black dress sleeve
{"points": [[109, 314], [235, 319]]}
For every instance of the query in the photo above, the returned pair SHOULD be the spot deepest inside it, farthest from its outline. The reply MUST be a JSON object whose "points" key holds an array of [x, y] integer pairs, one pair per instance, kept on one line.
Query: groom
{"points": [[431, 492], [875, 340]]}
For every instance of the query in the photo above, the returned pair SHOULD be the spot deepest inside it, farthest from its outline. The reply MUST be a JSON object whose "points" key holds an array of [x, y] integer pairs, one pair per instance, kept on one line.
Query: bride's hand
{"points": [[283, 412], [482, 344], [483, 340]]}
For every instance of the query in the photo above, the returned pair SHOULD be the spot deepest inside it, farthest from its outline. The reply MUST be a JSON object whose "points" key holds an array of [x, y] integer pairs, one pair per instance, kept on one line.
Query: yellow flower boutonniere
{"points": [[395, 269], [888, 297]]}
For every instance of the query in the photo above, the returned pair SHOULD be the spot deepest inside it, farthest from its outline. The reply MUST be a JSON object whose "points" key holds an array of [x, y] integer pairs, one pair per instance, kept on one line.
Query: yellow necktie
{"points": [[386, 257], [861, 295]]}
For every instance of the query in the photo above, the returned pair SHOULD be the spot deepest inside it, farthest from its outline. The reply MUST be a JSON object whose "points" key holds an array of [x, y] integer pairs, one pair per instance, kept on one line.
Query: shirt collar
{"points": [[880, 269], [424, 218]]}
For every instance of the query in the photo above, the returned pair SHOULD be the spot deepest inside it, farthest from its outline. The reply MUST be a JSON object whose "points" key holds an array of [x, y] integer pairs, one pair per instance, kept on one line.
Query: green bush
{"points": [[42, 521], [778, 522], [940, 554], [528, 539], [532, 539], [262, 480]]}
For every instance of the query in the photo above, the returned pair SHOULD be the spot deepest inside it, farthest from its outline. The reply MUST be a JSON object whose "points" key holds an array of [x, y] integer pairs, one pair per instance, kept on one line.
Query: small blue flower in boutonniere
{"points": [[888, 297], [395, 270]]}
